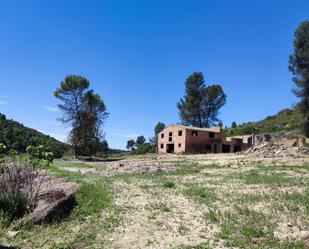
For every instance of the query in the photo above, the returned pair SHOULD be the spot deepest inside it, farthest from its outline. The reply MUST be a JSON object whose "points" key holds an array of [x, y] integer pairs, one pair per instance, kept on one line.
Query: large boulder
{"points": [[54, 203]]}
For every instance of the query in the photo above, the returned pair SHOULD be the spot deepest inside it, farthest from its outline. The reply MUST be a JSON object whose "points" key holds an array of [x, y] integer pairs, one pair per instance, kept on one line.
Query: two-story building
{"points": [[185, 139]]}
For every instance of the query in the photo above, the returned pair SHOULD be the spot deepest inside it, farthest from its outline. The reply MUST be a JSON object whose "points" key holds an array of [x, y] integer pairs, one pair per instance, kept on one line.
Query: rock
{"points": [[54, 203], [12, 234]]}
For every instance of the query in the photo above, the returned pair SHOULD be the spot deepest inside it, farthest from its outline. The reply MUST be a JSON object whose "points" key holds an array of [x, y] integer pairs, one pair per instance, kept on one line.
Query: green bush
{"points": [[20, 172], [169, 184], [13, 206], [143, 149]]}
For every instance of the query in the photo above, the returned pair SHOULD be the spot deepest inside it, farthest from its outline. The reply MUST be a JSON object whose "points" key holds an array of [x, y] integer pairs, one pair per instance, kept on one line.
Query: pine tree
{"points": [[299, 66], [200, 106]]}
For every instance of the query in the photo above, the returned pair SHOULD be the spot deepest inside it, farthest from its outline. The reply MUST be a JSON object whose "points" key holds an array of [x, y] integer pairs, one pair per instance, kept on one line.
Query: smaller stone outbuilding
{"points": [[185, 139]]}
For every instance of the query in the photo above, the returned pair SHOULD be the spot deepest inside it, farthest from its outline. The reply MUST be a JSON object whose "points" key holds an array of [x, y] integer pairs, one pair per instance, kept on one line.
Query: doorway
{"points": [[215, 148], [226, 148], [237, 148], [170, 148]]}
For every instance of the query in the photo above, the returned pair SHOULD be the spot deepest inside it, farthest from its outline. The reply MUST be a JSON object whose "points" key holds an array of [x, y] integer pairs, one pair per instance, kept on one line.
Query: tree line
{"points": [[18, 137]]}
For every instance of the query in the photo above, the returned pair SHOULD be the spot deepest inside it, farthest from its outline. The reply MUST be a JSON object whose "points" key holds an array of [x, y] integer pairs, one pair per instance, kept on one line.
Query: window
{"points": [[162, 135], [161, 146], [170, 139], [208, 147], [170, 134], [194, 133], [211, 134], [179, 145], [179, 133]]}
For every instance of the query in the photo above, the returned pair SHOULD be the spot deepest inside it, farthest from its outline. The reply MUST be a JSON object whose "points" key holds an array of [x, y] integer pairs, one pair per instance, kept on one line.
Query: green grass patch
{"points": [[272, 179], [250, 229], [212, 216], [201, 194], [295, 201], [160, 206], [252, 198], [283, 167], [92, 198], [187, 169], [168, 184], [63, 163]]}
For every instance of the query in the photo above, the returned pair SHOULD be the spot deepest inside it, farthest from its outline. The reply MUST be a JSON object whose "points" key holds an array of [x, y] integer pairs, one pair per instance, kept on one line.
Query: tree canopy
{"points": [[201, 104], [130, 144], [299, 66], [140, 141]]}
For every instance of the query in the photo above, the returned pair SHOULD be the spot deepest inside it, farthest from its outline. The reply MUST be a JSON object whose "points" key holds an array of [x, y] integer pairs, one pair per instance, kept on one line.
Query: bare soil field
{"points": [[184, 201]]}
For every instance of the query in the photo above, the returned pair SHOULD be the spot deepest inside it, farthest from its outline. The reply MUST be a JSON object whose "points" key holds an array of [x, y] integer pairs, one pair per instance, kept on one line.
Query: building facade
{"points": [[185, 139]]}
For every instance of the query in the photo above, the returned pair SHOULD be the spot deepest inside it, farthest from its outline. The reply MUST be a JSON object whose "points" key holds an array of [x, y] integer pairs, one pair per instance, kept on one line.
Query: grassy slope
{"points": [[287, 121]]}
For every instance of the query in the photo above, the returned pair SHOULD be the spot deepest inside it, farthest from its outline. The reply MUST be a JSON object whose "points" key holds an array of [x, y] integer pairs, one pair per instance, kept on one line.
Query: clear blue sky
{"points": [[137, 55]]}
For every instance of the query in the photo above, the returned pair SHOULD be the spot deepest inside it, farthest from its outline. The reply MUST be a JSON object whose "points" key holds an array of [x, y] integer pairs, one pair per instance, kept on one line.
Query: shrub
{"points": [[169, 184], [21, 178], [13, 206], [143, 149]]}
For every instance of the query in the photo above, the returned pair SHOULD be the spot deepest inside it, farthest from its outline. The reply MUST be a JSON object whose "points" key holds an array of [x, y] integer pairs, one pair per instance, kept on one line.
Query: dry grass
{"points": [[206, 201]]}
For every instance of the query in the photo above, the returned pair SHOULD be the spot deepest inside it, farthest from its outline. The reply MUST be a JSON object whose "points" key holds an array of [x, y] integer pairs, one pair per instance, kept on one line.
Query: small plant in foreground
{"points": [[21, 179], [168, 184]]}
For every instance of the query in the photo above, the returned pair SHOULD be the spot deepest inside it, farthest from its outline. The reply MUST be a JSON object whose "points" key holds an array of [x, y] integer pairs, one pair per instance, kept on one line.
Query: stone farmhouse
{"points": [[185, 139]]}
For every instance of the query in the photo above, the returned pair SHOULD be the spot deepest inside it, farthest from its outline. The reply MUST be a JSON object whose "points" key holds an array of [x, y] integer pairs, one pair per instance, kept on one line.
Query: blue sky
{"points": [[137, 55]]}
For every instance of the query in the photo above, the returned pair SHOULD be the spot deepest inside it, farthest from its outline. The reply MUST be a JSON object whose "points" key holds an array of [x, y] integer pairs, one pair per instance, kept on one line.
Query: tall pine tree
{"points": [[201, 104], [299, 66], [84, 110]]}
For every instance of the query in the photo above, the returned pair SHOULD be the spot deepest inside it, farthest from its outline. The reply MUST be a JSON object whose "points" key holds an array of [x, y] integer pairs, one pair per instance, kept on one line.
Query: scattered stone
{"points": [[280, 148]]}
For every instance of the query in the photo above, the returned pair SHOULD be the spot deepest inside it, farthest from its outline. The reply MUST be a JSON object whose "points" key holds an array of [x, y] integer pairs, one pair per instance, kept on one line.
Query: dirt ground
{"points": [[183, 222], [189, 201]]}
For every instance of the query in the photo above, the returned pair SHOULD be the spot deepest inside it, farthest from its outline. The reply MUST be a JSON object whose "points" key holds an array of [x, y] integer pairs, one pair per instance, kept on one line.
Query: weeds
{"points": [[92, 198], [200, 193], [212, 216]]}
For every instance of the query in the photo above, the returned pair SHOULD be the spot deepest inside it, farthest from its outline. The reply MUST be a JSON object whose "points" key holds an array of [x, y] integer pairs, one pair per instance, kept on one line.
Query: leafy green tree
{"points": [[84, 110], [92, 120], [140, 141], [220, 124], [299, 66], [200, 106], [157, 129], [104, 147], [190, 106], [143, 149], [130, 144], [214, 99], [234, 124]]}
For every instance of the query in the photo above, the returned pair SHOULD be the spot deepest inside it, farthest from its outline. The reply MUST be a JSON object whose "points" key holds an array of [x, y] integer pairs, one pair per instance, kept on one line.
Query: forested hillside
{"points": [[16, 136], [285, 121]]}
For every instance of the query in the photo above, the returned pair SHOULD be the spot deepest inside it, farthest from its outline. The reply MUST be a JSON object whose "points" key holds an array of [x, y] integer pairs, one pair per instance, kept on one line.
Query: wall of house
{"points": [[202, 142], [176, 139]]}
